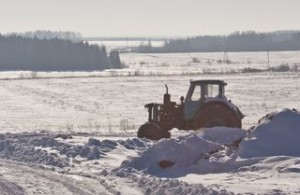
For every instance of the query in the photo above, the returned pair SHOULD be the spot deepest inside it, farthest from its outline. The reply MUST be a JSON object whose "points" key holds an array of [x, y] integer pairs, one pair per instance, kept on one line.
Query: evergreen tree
{"points": [[33, 54], [114, 59]]}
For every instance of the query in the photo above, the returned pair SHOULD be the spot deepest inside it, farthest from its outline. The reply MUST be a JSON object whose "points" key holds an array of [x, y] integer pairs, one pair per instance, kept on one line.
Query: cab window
{"points": [[196, 95], [212, 91]]}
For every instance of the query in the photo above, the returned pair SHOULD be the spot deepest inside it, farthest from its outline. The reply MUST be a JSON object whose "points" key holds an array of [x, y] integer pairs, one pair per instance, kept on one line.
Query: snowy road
{"points": [[21, 179]]}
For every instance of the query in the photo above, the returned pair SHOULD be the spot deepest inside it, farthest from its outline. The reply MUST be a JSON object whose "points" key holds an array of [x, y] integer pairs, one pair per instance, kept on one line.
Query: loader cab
{"points": [[199, 92]]}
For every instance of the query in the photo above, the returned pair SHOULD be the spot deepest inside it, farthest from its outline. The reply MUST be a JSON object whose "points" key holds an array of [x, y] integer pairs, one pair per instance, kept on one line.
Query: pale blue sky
{"points": [[149, 18]]}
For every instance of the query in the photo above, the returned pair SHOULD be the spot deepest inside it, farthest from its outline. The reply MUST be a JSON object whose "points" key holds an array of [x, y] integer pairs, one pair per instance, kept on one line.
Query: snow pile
{"points": [[221, 135], [22, 148], [135, 143], [184, 151], [277, 134], [54, 150]]}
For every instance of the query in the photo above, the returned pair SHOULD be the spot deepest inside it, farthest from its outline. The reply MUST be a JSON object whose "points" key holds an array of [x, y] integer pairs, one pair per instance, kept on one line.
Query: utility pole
{"points": [[268, 51], [268, 59], [225, 55]]}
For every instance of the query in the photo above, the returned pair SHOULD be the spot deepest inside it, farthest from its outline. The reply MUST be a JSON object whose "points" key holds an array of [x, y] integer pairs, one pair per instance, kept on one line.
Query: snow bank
{"points": [[184, 151], [221, 135], [277, 134], [53, 150], [22, 148]]}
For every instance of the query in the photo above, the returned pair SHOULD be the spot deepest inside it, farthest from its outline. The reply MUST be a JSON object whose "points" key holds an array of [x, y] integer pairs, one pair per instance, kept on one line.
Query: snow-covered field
{"points": [[75, 133]]}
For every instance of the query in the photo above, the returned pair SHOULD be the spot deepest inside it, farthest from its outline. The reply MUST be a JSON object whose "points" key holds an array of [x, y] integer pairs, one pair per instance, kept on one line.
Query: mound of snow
{"points": [[221, 135], [184, 151], [22, 148], [55, 150], [277, 134]]}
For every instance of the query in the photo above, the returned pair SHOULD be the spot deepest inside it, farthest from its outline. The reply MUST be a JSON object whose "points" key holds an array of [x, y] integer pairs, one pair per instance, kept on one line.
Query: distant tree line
{"points": [[47, 34], [235, 42], [33, 54]]}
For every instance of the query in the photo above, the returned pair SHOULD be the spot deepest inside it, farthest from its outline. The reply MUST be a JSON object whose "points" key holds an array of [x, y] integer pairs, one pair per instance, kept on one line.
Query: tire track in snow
{"points": [[10, 188], [19, 179]]}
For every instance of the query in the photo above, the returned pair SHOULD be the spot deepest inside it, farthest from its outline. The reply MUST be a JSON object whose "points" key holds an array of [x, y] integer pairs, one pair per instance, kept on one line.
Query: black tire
{"points": [[152, 131], [217, 113]]}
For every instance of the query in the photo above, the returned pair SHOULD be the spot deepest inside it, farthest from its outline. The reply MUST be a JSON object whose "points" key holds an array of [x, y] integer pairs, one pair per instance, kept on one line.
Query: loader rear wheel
{"points": [[216, 113], [152, 131]]}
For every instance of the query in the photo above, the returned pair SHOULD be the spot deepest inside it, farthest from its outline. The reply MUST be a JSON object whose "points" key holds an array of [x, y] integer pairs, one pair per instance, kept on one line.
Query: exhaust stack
{"points": [[167, 96]]}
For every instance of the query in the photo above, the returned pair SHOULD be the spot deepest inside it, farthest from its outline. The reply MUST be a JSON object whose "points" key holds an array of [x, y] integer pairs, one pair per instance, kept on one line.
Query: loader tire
{"points": [[216, 113], [152, 131]]}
